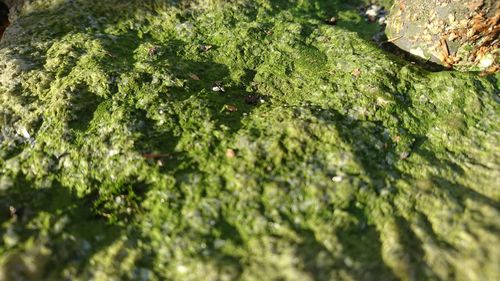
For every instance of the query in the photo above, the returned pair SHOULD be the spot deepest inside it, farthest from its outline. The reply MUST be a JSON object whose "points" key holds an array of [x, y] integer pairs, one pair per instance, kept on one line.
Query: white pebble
{"points": [[337, 179]]}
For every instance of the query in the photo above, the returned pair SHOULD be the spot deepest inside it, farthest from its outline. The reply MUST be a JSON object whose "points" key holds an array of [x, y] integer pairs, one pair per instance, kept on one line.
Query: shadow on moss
{"points": [[74, 236]]}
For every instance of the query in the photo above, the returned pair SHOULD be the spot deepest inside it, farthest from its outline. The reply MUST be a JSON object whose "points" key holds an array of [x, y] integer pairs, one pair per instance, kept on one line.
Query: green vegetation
{"points": [[325, 158]]}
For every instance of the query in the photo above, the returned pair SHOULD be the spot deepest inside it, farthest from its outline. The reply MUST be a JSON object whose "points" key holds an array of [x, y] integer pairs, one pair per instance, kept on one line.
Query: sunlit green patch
{"points": [[324, 158]]}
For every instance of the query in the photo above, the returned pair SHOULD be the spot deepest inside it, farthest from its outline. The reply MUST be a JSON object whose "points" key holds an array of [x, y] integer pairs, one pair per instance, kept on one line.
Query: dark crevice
{"points": [[395, 50], [4, 18]]}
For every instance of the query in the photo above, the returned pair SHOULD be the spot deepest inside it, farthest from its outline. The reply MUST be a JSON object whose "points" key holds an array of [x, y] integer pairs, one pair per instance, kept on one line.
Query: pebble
{"points": [[375, 13], [337, 179]]}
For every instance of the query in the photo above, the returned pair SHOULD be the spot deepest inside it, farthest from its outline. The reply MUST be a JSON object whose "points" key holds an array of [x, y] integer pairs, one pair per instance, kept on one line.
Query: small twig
{"points": [[155, 156], [444, 46], [394, 39]]}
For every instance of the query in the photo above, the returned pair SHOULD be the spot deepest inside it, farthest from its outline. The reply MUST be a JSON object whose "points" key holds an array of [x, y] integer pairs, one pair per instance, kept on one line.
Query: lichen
{"points": [[346, 163]]}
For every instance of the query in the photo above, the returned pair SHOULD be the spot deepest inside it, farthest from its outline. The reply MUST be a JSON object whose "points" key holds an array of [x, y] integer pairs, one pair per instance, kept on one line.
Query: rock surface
{"points": [[463, 34], [323, 157]]}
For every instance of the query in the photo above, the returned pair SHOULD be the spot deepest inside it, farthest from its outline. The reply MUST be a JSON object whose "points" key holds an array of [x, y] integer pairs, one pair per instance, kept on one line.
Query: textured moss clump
{"points": [[325, 158]]}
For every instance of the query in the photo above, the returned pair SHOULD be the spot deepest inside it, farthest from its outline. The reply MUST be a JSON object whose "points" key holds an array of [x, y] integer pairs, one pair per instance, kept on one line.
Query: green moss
{"points": [[349, 163]]}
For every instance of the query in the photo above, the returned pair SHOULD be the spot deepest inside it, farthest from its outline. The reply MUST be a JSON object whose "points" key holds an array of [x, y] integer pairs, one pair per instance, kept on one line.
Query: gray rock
{"points": [[462, 34]]}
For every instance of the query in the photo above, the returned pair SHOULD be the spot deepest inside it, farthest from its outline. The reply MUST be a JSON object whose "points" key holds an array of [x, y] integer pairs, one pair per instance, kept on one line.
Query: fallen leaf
{"points": [[194, 76], [230, 108], [230, 153], [356, 72]]}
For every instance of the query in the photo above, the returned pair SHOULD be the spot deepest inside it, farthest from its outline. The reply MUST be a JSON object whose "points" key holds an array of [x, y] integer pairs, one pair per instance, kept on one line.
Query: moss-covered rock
{"points": [[324, 158]]}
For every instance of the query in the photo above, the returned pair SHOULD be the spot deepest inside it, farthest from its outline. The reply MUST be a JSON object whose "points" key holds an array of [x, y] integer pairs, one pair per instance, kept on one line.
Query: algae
{"points": [[346, 163]]}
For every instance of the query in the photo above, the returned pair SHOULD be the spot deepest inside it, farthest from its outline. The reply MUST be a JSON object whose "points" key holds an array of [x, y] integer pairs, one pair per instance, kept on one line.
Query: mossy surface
{"points": [[325, 158]]}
